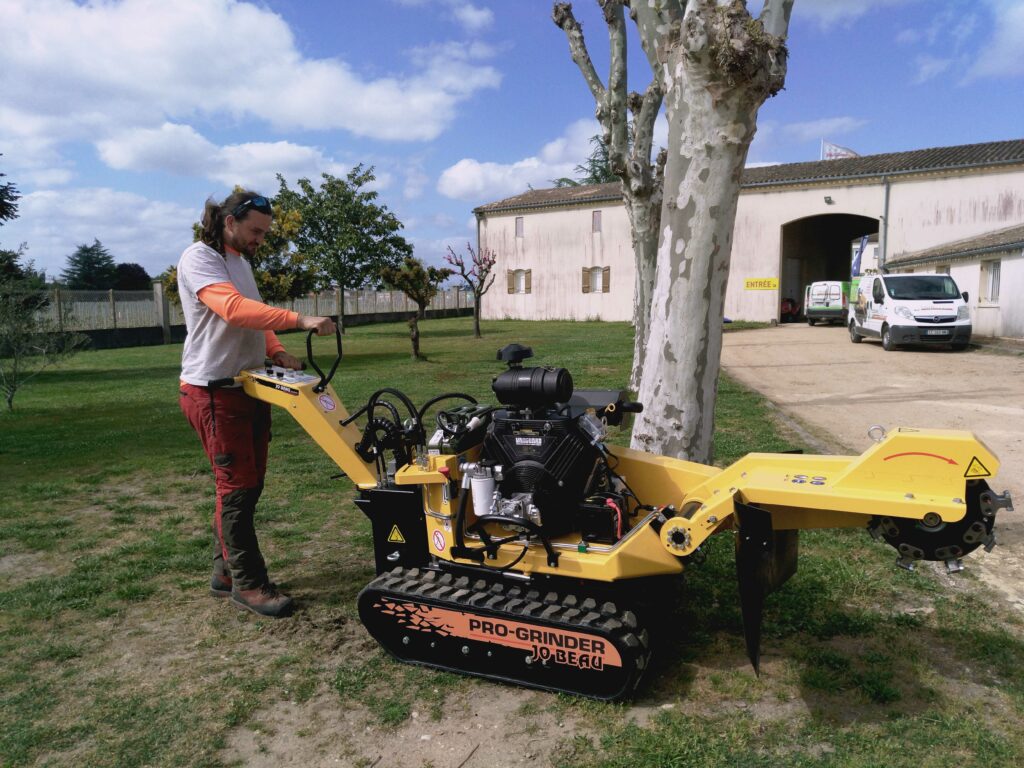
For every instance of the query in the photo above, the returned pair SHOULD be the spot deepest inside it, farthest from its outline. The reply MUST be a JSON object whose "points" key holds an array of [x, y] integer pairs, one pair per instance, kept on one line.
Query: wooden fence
{"points": [[108, 310]]}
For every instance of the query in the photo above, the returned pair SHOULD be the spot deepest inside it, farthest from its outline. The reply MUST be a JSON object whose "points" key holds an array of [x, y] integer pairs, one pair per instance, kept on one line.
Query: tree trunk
{"points": [[720, 66], [644, 218], [476, 317]]}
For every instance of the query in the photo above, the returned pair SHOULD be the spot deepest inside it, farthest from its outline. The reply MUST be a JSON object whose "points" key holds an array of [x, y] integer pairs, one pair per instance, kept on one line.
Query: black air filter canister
{"points": [[533, 387]]}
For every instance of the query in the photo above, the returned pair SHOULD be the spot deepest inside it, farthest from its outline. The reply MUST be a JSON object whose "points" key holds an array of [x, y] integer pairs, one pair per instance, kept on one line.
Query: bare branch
{"points": [[561, 14], [615, 126], [775, 17], [644, 119], [656, 21]]}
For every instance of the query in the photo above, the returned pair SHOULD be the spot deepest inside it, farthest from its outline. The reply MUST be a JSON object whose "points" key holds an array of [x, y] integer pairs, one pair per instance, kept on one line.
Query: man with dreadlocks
{"points": [[230, 329]]}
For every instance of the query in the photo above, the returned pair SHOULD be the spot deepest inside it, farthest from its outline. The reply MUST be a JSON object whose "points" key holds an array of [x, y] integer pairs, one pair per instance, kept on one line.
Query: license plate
{"points": [[936, 332]]}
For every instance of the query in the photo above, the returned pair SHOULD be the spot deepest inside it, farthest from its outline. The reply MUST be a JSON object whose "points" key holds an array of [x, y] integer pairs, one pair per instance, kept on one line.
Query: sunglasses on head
{"points": [[257, 203]]}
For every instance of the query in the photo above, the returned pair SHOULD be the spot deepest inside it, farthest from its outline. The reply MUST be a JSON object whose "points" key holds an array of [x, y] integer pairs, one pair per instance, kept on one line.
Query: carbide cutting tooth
{"points": [[954, 565], [905, 563], [989, 542]]}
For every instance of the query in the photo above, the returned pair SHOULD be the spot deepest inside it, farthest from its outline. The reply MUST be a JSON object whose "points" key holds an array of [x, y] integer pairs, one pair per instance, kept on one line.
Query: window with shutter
{"points": [[586, 280], [529, 281], [511, 277], [606, 280]]}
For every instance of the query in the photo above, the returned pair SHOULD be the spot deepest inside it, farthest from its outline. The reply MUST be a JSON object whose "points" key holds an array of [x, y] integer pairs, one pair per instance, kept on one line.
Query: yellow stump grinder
{"points": [[512, 543]]}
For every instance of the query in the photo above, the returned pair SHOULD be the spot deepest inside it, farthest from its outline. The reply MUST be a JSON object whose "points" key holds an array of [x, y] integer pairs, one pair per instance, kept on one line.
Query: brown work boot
{"points": [[220, 585], [265, 601]]}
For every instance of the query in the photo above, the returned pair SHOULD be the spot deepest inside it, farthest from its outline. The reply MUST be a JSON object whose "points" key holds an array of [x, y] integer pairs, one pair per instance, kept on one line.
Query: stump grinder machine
{"points": [[511, 542]]}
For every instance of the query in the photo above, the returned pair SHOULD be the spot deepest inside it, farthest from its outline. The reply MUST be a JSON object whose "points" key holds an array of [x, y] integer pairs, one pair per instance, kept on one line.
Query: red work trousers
{"points": [[235, 432]]}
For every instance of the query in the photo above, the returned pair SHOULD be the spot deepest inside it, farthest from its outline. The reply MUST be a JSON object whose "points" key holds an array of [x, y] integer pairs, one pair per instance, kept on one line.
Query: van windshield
{"points": [[921, 287]]}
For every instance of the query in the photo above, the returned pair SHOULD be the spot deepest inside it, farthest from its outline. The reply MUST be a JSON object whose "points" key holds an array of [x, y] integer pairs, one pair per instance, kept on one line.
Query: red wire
{"points": [[618, 515]]}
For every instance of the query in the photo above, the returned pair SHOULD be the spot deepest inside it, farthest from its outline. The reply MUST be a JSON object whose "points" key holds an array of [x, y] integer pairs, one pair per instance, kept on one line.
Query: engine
{"points": [[542, 468]]}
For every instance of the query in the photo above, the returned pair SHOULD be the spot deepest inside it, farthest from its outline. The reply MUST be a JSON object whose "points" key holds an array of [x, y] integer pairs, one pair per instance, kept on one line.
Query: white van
{"points": [[910, 309]]}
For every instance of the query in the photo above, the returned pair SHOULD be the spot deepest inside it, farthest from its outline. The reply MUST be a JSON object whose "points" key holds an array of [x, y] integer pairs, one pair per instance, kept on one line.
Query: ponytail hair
{"points": [[214, 214]]}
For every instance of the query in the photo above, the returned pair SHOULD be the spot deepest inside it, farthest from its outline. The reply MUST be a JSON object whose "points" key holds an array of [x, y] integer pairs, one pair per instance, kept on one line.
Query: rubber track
{"points": [[522, 602]]}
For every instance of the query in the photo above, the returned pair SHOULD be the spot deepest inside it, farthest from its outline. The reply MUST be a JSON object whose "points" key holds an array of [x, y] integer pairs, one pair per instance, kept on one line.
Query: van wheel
{"points": [[887, 343], [810, 321], [855, 337]]}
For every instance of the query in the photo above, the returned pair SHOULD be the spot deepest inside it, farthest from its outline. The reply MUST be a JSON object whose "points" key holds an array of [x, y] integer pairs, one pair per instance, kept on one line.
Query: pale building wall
{"points": [[556, 245], [1004, 317], [757, 238], [924, 211]]}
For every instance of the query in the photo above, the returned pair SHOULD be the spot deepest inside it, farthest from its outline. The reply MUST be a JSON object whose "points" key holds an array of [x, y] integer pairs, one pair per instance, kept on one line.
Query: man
{"points": [[230, 329]]}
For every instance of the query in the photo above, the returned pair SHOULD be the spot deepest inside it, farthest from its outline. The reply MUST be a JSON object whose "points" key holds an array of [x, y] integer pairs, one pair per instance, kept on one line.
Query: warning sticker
{"points": [[438, 539], [977, 469], [396, 537]]}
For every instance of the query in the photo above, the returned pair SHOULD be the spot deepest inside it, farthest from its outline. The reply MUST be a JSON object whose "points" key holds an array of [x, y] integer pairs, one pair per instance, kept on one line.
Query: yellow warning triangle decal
{"points": [[396, 537], [977, 469]]}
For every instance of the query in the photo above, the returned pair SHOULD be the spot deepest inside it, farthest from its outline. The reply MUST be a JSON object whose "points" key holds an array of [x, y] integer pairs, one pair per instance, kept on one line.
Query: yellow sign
{"points": [[761, 284], [977, 469], [396, 537]]}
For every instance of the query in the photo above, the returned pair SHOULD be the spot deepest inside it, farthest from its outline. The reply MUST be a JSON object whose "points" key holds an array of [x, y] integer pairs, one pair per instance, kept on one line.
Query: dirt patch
{"points": [[22, 567], [487, 725]]}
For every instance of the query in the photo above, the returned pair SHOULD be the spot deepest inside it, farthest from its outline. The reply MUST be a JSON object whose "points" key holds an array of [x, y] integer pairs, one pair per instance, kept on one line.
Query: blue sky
{"points": [[118, 119]]}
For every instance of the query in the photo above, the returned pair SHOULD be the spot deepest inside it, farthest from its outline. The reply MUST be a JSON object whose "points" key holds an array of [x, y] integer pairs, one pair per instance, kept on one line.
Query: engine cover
{"points": [[549, 457]]}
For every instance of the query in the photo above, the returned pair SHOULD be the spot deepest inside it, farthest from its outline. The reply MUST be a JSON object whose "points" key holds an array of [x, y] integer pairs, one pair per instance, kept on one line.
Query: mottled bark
{"points": [[627, 126], [719, 66]]}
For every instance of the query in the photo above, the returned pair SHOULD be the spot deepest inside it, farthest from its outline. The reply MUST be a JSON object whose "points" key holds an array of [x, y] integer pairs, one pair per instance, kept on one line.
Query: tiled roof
{"points": [[1007, 239], [542, 198], [964, 156]]}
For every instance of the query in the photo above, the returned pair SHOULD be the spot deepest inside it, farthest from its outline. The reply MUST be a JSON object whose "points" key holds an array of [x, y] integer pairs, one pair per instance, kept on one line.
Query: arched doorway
{"points": [[819, 248]]}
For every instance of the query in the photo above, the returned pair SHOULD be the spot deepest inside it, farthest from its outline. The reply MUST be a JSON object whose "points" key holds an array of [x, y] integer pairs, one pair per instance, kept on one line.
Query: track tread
{"points": [[519, 603]]}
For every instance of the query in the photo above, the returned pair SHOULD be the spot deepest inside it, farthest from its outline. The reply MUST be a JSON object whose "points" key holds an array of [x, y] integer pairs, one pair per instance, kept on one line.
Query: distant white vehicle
{"points": [[910, 309]]}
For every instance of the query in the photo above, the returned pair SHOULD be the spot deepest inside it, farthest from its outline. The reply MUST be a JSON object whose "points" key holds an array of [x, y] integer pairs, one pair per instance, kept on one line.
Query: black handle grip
{"points": [[218, 383], [633, 407], [324, 380]]}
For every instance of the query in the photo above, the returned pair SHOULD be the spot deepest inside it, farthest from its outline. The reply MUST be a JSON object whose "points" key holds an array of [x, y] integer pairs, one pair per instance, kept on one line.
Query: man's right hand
{"points": [[323, 326]]}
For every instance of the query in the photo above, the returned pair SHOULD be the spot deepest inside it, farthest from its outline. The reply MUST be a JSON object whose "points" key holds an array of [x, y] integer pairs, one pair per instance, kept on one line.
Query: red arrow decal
{"points": [[918, 453]]}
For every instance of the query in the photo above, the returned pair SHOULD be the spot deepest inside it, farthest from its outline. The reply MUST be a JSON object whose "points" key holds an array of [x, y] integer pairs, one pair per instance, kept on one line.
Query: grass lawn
{"points": [[114, 655]]}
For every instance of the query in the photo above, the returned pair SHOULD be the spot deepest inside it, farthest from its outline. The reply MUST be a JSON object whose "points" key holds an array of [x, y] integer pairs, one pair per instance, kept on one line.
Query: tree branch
{"points": [[775, 17], [561, 14], [656, 21], [616, 123]]}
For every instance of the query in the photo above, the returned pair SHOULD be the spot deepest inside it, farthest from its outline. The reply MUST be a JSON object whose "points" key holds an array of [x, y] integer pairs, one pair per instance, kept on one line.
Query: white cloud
{"points": [[93, 67], [829, 12], [479, 182], [472, 18], [823, 128], [133, 228], [929, 67], [1001, 55], [180, 149]]}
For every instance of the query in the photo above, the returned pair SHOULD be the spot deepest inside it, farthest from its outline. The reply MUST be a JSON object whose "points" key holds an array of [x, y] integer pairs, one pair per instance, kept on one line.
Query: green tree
{"points": [[596, 169], [131, 277], [8, 200], [346, 236], [418, 282], [90, 268], [30, 339]]}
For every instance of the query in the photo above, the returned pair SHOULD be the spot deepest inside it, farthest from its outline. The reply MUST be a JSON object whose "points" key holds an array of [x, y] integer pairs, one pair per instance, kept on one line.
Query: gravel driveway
{"points": [[836, 390]]}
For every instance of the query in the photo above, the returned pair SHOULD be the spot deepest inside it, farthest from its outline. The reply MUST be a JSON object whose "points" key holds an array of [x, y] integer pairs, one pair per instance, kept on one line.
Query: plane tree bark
{"points": [[627, 130], [719, 65]]}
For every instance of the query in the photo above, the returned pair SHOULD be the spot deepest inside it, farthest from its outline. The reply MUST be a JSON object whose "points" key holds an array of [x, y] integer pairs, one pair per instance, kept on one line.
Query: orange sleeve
{"points": [[228, 303], [274, 344]]}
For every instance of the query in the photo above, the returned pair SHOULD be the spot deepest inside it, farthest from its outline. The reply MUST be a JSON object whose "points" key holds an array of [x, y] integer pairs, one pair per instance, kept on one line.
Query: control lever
{"points": [[324, 380]]}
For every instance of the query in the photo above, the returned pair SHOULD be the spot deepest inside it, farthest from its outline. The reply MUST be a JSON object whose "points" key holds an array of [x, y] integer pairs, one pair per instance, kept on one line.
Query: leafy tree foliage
{"points": [[90, 268], [476, 274], [131, 277], [596, 169], [346, 236], [30, 340], [418, 282], [8, 200]]}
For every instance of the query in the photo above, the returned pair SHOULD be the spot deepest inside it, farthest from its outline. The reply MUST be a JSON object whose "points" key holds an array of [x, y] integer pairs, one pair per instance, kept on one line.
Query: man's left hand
{"points": [[284, 360]]}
